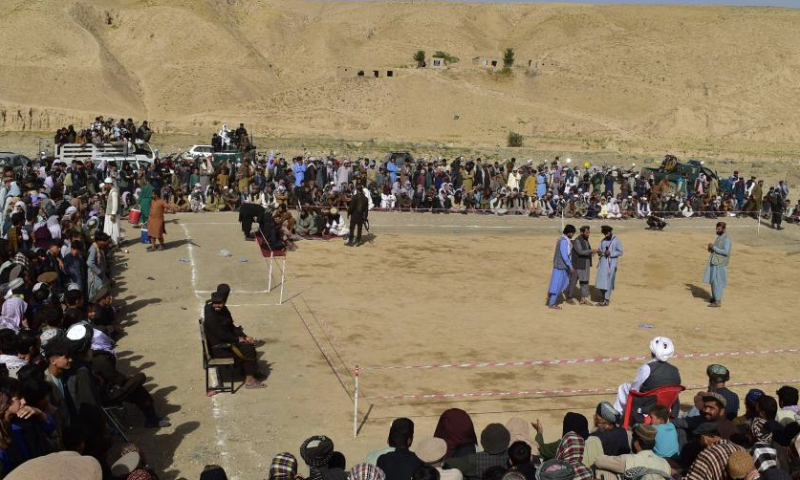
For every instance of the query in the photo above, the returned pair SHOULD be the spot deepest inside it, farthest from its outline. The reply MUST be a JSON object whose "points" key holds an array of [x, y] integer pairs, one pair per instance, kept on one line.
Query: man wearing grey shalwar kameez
{"points": [[610, 250], [582, 261], [717, 268]]}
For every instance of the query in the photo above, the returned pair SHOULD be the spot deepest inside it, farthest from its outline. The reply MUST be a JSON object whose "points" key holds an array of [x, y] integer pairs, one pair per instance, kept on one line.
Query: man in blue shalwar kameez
{"points": [[717, 268], [562, 267], [610, 251]]}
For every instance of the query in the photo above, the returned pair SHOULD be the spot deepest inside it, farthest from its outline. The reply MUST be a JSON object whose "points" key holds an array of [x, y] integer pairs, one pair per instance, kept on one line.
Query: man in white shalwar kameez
{"points": [[111, 223]]}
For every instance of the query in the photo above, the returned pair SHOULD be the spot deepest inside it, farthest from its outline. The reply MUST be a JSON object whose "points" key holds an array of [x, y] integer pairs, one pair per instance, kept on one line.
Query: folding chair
{"points": [[113, 414], [210, 362]]}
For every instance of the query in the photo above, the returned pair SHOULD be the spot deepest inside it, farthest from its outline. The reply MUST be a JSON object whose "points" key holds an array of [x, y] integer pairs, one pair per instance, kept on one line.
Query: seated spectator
{"points": [[787, 401], [644, 440], [118, 387], [613, 438], [283, 467], [749, 406], [131, 464], [213, 472], [712, 462], [25, 431], [401, 463], [519, 459], [13, 314], [456, 429], [9, 350], [761, 445], [717, 376], [653, 374], [495, 440], [556, 470], [432, 452], [520, 431], [740, 466], [366, 471], [227, 340], [571, 448], [58, 357], [317, 451], [81, 388], [667, 445]]}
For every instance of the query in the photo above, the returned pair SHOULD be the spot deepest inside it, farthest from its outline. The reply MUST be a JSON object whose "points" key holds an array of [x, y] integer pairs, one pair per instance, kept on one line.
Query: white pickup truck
{"points": [[202, 151], [137, 153]]}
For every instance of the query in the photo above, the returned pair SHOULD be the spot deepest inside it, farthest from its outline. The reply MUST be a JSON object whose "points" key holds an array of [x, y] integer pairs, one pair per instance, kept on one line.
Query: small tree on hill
{"points": [[419, 57], [508, 58]]}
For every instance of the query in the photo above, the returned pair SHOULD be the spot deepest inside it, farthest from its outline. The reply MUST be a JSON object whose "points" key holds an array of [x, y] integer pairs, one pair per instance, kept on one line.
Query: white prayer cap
{"points": [[108, 181], [662, 348]]}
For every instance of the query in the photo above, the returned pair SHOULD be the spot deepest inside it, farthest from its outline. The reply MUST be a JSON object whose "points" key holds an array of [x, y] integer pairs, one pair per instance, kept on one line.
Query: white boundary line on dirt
{"points": [[216, 408]]}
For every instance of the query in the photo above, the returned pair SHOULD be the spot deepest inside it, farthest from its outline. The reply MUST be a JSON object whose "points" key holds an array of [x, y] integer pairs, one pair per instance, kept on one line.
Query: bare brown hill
{"points": [[587, 76]]}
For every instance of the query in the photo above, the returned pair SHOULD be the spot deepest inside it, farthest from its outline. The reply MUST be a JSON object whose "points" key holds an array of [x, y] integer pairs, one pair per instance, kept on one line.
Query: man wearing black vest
{"points": [[653, 374], [582, 261]]}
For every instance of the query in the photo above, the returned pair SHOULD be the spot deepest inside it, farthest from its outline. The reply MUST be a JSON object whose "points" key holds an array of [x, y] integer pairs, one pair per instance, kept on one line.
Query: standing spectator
{"points": [[155, 222]]}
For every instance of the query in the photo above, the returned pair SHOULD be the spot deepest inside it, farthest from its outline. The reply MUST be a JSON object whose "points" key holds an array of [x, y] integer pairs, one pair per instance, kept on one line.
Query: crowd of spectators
{"points": [[103, 130], [60, 386], [717, 439]]}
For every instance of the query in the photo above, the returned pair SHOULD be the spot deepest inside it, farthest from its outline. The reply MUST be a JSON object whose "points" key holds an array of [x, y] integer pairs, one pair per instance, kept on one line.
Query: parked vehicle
{"points": [[674, 170], [203, 151], [15, 160], [137, 153]]}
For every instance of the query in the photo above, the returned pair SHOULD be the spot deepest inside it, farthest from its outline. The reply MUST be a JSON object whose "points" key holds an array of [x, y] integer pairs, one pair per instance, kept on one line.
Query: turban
{"points": [[316, 451], [555, 470], [662, 348], [607, 412], [283, 466]]}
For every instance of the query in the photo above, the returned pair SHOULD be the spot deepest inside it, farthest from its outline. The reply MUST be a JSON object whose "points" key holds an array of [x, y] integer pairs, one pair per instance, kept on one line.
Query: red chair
{"points": [[666, 395]]}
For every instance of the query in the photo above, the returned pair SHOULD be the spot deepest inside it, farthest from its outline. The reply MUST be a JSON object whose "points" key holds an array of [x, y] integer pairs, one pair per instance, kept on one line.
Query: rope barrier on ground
{"points": [[570, 361], [554, 392]]}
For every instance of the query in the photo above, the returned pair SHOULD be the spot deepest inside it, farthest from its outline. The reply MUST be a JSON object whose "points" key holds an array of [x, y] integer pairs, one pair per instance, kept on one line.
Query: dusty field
{"points": [[429, 289]]}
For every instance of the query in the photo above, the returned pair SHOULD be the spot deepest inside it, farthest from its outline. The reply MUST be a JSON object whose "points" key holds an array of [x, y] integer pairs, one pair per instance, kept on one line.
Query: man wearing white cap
{"points": [[111, 224], [653, 374]]}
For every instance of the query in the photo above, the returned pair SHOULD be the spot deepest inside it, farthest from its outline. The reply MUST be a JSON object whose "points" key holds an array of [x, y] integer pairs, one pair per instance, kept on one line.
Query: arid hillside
{"points": [[613, 77]]}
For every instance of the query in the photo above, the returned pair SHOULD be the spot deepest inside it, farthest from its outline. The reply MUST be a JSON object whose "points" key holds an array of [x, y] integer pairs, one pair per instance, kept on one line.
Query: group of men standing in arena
{"points": [[574, 258]]}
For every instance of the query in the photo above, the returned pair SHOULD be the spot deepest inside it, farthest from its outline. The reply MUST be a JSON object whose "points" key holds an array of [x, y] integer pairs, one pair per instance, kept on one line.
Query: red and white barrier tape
{"points": [[554, 392], [559, 361]]}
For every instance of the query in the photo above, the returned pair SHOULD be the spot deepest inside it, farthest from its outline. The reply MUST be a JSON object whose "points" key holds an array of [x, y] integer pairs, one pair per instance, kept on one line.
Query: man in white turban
{"points": [[653, 374]]}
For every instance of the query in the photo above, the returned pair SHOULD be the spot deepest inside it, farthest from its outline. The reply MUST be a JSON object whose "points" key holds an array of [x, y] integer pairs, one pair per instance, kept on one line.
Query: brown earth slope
{"points": [[599, 76]]}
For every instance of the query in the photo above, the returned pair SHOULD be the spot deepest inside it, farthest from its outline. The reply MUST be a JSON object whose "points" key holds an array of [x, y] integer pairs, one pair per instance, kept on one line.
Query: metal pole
{"points": [[355, 405], [562, 219], [758, 225]]}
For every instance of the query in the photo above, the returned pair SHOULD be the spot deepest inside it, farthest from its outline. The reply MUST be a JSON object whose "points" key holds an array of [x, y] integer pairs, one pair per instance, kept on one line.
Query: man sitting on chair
{"points": [[226, 340], [653, 374]]}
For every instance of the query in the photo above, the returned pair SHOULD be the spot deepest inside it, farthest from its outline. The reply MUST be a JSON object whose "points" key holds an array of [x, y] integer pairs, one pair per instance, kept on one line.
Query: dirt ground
{"points": [[429, 289]]}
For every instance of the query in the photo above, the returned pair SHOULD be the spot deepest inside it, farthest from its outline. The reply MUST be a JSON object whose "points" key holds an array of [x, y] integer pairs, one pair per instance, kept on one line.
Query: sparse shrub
{"points": [[515, 139], [419, 57], [448, 59], [508, 58]]}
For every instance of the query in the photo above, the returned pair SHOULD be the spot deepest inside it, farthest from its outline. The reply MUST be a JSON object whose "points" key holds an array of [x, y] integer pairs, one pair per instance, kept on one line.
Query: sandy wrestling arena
{"points": [[432, 290]]}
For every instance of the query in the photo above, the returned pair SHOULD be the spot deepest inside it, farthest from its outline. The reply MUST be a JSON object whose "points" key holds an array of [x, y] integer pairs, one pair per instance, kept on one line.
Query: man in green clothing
{"points": [[145, 197]]}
